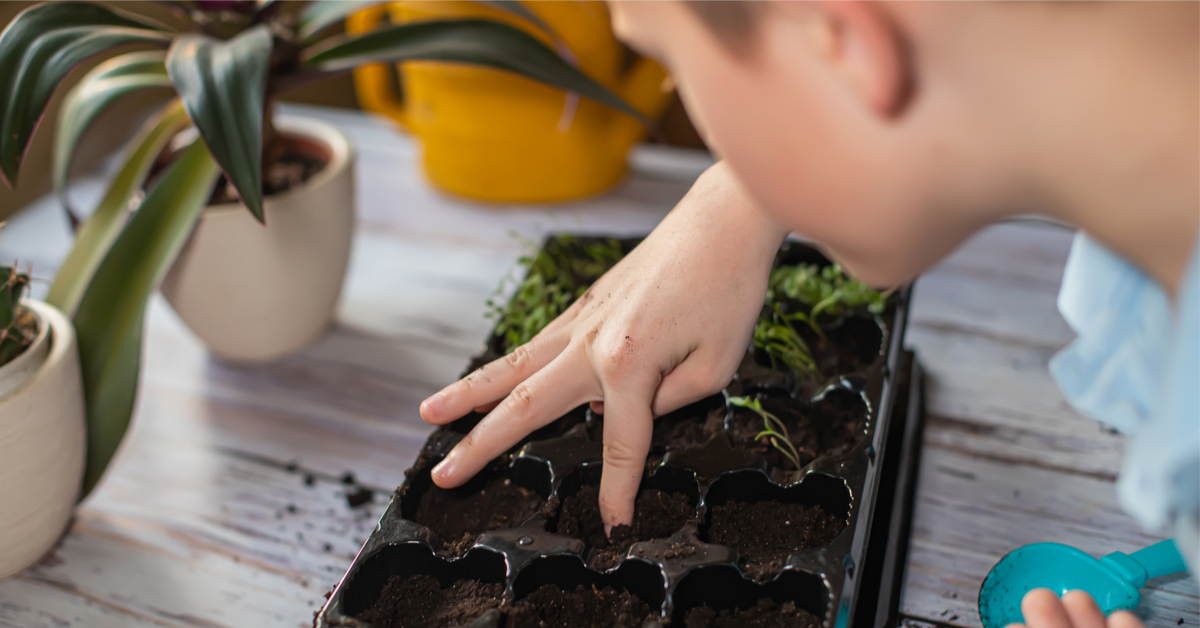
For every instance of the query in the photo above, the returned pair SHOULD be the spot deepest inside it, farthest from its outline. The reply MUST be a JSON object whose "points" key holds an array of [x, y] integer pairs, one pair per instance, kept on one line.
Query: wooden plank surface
{"points": [[207, 520]]}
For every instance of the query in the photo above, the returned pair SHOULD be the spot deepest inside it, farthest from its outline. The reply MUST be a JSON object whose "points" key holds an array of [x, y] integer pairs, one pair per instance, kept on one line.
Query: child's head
{"points": [[891, 131]]}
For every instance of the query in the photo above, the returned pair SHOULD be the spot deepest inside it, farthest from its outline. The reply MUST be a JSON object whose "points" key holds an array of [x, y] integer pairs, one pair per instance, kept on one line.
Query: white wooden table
{"points": [[206, 519]]}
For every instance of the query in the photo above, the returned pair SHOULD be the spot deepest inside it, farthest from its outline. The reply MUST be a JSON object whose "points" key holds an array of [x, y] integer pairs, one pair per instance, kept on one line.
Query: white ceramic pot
{"points": [[42, 441], [254, 293]]}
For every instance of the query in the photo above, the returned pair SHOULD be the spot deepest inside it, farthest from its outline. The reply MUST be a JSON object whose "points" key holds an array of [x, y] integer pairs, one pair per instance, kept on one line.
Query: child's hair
{"points": [[732, 21]]}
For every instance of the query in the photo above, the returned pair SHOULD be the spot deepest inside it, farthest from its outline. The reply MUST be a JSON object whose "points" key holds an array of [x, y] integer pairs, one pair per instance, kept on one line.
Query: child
{"points": [[889, 133]]}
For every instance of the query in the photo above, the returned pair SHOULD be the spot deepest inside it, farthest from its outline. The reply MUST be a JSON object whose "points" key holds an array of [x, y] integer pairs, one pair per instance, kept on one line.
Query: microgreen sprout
{"points": [[554, 277], [774, 431], [782, 343], [827, 290]]}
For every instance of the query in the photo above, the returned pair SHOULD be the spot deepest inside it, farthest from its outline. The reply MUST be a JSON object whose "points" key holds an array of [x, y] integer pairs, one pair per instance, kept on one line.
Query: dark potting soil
{"points": [[816, 430], [656, 515], [551, 607], [765, 533], [421, 602], [294, 167], [676, 433], [683, 429], [764, 614], [458, 515], [835, 358]]}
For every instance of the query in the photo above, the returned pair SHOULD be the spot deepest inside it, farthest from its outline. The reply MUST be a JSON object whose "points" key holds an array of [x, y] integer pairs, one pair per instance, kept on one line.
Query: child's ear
{"points": [[860, 43]]}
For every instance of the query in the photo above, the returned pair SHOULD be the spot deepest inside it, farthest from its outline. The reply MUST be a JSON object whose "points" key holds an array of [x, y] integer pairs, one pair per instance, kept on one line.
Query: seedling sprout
{"points": [[827, 290], [554, 278], [774, 431], [782, 343]]}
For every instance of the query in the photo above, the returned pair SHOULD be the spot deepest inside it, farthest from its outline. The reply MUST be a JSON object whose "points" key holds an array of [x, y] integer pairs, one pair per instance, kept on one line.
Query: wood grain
{"points": [[206, 519]]}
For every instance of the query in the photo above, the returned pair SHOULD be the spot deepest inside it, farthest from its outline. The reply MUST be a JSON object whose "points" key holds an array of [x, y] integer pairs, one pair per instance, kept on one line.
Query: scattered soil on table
{"points": [[359, 497], [766, 533], [458, 515], [551, 607], [421, 602], [294, 167], [821, 429], [656, 515], [764, 614]]}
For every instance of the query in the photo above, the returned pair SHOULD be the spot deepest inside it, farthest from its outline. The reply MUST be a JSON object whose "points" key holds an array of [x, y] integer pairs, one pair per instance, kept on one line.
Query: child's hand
{"points": [[1076, 609], [666, 326]]}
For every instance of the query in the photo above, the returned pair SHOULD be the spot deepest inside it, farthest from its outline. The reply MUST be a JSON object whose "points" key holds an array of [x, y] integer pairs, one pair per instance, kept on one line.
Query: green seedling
{"points": [[778, 338], [18, 328], [774, 431], [827, 291], [555, 277]]}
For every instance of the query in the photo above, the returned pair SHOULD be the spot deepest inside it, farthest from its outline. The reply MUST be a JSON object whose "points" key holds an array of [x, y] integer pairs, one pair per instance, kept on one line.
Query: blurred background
{"points": [[117, 124]]}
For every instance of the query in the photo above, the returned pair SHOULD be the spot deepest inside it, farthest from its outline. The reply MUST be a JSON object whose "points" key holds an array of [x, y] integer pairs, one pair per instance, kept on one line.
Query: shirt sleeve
{"points": [[1135, 365], [1160, 477]]}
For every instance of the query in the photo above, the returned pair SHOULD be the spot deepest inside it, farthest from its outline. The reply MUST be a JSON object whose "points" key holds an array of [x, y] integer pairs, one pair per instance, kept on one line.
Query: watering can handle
{"points": [[373, 83], [1160, 559]]}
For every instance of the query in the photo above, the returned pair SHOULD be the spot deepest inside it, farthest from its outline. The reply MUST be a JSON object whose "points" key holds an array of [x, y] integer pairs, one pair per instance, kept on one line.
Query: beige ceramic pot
{"points": [[42, 441], [254, 293]]}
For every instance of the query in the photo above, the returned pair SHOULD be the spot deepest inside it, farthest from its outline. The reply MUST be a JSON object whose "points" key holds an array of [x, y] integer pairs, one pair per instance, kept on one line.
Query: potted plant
{"points": [[41, 424], [251, 291]]}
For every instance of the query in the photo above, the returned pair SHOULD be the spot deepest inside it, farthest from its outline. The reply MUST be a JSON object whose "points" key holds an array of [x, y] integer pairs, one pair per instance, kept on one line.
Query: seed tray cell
{"points": [[727, 530]]}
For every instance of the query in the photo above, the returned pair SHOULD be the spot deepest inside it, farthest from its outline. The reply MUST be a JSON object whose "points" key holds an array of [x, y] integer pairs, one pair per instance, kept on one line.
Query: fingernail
{"points": [[607, 530], [443, 469], [433, 405]]}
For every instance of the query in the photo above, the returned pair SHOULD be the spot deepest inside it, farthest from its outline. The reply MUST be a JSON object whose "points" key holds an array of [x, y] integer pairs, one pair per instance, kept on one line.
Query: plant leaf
{"points": [[318, 15], [109, 81], [109, 322], [97, 234], [37, 50], [222, 85], [477, 42], [514, 7]]}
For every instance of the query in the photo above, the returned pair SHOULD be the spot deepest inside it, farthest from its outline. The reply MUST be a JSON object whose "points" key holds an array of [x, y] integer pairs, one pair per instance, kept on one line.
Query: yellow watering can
{"points": [[495, 136]]}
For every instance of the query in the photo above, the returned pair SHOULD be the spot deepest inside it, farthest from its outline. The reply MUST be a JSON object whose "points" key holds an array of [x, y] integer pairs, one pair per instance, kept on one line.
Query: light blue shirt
{"points": [[1135, 366]]}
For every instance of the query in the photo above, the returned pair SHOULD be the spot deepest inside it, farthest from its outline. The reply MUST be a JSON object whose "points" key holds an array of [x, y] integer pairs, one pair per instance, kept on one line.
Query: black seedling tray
{"points": [[861, 477]]}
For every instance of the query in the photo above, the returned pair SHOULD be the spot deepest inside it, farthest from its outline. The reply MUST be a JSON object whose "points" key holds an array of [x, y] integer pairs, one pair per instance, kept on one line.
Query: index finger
{"points": [[549, 394], [628, 427], [494, 380]]}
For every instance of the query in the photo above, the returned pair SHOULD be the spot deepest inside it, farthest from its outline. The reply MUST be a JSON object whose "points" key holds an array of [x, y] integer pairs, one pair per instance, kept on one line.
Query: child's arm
{"points": [[666, 326]]}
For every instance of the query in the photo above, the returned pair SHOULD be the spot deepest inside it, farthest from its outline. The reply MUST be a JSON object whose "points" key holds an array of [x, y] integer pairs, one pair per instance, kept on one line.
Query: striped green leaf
{"points": [[110, 318], [222, 85], [476, 42], [318, 15], [101, 229], [521, 11], [104, 85], [37, 50]]}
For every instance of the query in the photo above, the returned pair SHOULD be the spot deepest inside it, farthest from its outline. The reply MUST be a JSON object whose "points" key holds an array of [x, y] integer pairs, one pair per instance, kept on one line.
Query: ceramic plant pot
{"points": [[254, 293], [42, 441]]}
